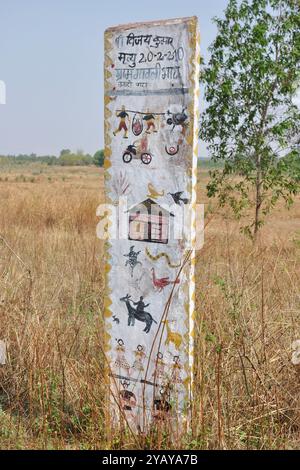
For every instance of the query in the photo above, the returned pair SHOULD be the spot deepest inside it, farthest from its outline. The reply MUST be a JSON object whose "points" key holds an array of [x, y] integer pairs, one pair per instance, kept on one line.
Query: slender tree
{"points": [[250, 122]]}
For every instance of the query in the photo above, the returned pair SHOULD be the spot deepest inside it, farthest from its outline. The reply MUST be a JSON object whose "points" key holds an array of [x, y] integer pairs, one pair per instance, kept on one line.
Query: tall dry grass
{"points": [[51, 293]]}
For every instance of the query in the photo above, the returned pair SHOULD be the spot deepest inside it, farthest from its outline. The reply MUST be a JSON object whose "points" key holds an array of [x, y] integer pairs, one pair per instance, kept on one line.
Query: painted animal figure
{"points": [[178, 199], [163, 282], [172, 336], [153, 193], [138, 314]]}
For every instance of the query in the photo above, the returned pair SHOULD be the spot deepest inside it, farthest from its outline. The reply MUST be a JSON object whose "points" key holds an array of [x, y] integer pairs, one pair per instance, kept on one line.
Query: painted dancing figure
{"points": [[139, 358], [121, 361], [159, 371], [176, 373]]}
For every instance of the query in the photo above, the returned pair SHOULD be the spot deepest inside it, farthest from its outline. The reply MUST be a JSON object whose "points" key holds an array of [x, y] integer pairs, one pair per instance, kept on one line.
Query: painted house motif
{"points": [[149, 222]]}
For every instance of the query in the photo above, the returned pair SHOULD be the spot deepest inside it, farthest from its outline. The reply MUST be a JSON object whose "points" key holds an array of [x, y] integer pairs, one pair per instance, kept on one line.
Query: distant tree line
{"points": [[66, 158]]}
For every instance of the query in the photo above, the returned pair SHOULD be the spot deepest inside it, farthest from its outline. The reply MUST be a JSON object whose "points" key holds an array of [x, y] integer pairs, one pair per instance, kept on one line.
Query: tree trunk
{"points": [[258, 199]]}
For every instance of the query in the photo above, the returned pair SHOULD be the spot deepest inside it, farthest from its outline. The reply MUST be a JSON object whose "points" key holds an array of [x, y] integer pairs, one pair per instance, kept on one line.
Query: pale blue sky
{"points": [[51, 59]]}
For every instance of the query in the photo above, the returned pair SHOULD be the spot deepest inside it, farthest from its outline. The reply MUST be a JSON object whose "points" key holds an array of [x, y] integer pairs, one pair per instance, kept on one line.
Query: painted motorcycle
{"points": [[132, 153]]}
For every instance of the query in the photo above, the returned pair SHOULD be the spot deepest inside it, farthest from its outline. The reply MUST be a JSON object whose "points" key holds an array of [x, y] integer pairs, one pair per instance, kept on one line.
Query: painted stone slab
{"points": [[151, 135]]}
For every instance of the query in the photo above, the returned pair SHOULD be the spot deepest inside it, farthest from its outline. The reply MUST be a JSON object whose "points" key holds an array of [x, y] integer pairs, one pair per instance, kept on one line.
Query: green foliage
{"points": [[66, 158], [251, 122], [65, 152], [208, 164], [99, 158], [293, 162], [21, 159], [77, 159]]}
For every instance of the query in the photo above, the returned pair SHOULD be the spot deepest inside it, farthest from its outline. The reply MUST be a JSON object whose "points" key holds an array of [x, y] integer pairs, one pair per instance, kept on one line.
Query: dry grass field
{"points": [[247, 393]]}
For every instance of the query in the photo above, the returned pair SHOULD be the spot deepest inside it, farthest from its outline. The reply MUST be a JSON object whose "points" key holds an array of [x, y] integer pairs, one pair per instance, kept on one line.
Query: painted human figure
{"points": [[141, 145], [176, 373], [150, 122], [139, 358], [161, 408], [121, 361], [137, 125], [178, 119], [140, 305], [128, 403], [132, 259], [127, 400], [124, 118], [159, 371]]}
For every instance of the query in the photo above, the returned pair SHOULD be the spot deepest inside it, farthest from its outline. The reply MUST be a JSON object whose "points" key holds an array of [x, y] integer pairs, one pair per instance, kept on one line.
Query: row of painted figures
{"points": [[164, 378], [139, 363], [150, 122]]}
